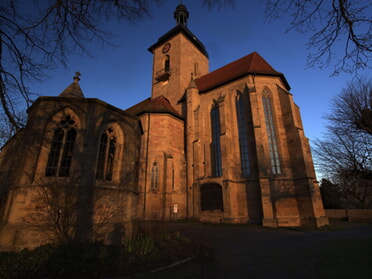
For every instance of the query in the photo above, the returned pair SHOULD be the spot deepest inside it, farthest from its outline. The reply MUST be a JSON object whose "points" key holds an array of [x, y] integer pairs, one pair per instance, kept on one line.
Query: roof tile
{"points": [[250, 64], [157, 105]]}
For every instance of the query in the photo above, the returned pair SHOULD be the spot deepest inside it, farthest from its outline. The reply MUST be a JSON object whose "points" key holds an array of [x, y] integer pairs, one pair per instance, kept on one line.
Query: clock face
{"points": [[166, 47]]}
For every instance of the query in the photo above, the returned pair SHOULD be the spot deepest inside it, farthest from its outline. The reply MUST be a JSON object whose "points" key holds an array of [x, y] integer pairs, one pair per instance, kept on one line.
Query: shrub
{"points": [[66, 261], [151, 247]]}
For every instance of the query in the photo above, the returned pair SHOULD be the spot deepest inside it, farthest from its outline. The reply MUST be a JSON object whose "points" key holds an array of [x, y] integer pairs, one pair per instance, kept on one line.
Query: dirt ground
{"points": [[246, 251]]}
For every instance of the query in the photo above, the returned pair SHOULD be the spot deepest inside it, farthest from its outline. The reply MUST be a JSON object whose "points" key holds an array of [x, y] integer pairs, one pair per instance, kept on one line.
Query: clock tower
{"points": [[177, 56]]}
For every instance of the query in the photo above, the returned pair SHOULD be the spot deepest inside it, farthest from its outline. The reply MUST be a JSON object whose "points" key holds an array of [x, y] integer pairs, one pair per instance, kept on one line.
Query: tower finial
{"points": [[77, 76], [181, 14]]}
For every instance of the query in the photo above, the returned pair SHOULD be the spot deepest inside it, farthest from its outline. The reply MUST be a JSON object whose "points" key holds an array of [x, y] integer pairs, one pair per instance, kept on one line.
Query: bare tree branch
{"points": [[333, 24], [345, 155], [218, 3], [352, 108], [38, 35]]}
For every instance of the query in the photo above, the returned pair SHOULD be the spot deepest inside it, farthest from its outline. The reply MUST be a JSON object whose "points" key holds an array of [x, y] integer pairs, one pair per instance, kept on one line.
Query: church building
{"points": [[220, 146]]}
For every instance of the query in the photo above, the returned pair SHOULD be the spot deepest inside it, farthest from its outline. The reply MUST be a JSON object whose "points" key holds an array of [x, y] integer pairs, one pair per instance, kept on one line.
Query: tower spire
{"points": [[73, 90], [181, 14]]}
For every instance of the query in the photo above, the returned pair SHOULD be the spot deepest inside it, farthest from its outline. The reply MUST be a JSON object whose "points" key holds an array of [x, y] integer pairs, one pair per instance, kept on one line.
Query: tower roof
{"points": [[181, 15], [73, 90], [250, 64], [180, 28]]}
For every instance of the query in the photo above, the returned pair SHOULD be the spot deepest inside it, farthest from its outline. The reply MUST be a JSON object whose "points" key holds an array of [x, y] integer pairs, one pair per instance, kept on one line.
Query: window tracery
{"points": [[62, 148], [106, 155], [243, 135], [216, 141], [270, 129], [154, 176]]}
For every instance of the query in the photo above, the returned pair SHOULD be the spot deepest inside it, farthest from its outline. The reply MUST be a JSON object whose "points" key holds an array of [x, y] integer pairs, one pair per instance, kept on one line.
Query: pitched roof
{"points": [[157, 105], [73, 90], [180, 28], [251, 64]]}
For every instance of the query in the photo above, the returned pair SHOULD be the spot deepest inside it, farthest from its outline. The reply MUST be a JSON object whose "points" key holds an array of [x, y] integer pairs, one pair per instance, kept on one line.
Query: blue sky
{"points": [[121, 76]]}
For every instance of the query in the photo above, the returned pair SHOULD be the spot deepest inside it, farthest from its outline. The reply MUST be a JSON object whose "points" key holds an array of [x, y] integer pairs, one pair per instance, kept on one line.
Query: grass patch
{"points": [[151, 247], [92, 261], [63, 261]]}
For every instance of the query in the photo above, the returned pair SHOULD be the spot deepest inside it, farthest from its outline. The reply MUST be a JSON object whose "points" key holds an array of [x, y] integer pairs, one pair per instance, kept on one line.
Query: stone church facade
{"points": [[221, 146]]}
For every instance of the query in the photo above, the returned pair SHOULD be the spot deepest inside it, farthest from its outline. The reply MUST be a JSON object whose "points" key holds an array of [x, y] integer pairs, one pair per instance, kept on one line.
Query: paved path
{"points": [[250, 252]]}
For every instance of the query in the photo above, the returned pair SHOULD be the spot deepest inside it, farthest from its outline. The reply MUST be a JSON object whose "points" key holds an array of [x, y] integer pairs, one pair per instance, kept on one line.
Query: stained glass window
{"points": [[243, 136], [106, 155], [101, 157], [62, 148], [54, 153], [67, 153], [270, 129], [155, 176], [216, 142]]}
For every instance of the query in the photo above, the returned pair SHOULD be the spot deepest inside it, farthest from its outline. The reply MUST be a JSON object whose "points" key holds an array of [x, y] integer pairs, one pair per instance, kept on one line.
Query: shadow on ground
{"points": [[342, 250]]}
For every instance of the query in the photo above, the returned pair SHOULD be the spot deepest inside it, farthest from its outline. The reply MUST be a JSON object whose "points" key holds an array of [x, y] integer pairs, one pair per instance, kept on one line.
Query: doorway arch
{"points": [[211, 197]]}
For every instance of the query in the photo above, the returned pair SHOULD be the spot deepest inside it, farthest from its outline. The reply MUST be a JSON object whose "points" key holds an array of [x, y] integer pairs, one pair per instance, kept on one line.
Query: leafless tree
{"points": [[55, 210], [332, 23], [346, 160], [352, 108], [345, 155], [56, 205], [7, 130], [37, 35]]}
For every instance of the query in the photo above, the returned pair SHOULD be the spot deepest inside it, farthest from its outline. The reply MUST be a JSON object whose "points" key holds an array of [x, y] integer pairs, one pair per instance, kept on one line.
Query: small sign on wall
{"points": [[175, 208]]}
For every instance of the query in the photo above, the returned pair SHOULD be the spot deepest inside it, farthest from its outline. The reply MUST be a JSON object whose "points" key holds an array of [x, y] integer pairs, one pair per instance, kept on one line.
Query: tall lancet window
{"points": [[155, 176], [167, 64], [216, 142], [243, 136], [270, 129], [106, 155], [62, 148]]}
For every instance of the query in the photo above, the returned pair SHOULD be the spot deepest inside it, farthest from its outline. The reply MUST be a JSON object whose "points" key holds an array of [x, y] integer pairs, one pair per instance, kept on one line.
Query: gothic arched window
{"points": [[270, 129], [154, 176], [243, 136], [216, 141], [61, 150], [106, 155]]}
